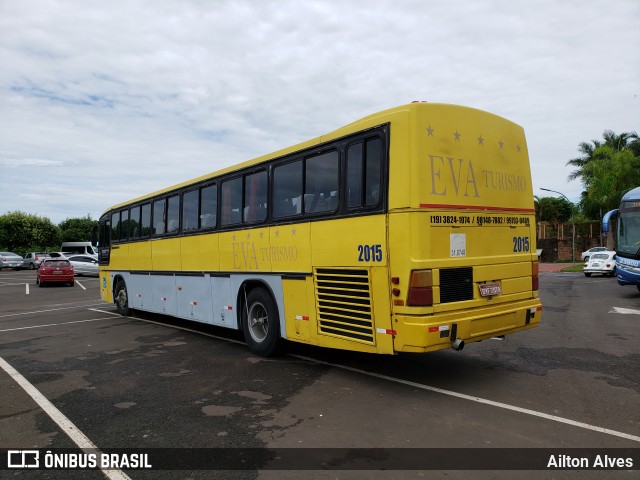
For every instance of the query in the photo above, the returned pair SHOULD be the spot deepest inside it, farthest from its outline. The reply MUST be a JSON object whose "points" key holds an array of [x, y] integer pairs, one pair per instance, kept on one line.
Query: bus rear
{"points": [[461, 229]]}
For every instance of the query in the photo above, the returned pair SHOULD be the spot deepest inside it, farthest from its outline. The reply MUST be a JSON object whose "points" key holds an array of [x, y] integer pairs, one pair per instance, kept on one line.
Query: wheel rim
{"points": [[122, 298], [258, 322]]}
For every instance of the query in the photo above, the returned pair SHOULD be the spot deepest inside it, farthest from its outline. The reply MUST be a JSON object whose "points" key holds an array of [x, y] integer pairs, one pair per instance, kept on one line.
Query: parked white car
{"points": [[601, 262], [585, 255]]}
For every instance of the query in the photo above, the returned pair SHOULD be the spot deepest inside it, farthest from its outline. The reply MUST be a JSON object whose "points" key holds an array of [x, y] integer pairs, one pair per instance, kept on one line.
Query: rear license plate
{"points": [[57, 272], [490, 289]]}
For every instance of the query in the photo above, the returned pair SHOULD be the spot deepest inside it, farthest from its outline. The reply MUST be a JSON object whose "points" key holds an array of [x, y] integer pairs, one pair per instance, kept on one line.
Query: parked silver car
{"points": [[84, 264], [32, 260], [10, 260]]}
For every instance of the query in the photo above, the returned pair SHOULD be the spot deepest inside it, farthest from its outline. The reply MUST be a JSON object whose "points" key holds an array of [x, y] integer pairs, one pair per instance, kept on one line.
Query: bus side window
{"points": [[287, 189], [115, 226], [321, 186], [134, 223], [373, 172], [158, 217], [255, 197], [354, 176], [231, 207], [364, 174], [190, 211], [124, 225], [145, 220], [208, 206], [173, 214]]}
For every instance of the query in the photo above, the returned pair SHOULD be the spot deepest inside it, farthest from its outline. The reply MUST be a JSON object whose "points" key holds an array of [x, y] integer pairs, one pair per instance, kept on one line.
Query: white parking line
{"points": [[55, 324], [81, 285], [26, 286], [485, 401], [421, 386], [625, 311], [49, 310], [57, 416]]}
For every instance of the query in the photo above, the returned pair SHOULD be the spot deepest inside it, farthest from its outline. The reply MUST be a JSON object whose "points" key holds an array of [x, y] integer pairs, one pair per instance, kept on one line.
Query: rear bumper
{"points": [[604, 271], [56, 278], [429, 333]]}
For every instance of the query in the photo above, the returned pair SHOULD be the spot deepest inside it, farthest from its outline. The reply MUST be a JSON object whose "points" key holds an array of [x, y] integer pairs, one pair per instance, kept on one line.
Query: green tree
{"points": [[78, 229], [553, 209], [22, 232], [612, 173], [607, 169]]}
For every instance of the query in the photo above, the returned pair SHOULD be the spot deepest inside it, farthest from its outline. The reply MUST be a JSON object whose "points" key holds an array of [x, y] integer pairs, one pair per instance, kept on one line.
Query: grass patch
{"points": [[574, 268]]}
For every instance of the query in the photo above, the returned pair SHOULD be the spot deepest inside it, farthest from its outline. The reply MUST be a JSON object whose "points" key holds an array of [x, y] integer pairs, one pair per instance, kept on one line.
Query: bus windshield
{"points": [[628, 233]]}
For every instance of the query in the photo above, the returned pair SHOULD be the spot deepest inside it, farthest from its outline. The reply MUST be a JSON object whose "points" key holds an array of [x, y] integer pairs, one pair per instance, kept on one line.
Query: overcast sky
{"points": [[102, 101]]}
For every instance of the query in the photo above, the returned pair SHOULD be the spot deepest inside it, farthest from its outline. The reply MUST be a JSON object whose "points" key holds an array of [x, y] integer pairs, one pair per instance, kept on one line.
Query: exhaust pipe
{"points": [[457, 345]]}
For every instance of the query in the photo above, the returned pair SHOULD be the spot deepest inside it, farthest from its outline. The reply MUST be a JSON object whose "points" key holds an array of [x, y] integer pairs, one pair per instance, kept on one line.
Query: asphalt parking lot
{"points": [[74, 371]]}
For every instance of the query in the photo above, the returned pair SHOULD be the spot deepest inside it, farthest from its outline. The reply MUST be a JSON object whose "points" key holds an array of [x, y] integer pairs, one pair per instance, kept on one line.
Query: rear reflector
{"points": [[420, 297], [534, 276]]}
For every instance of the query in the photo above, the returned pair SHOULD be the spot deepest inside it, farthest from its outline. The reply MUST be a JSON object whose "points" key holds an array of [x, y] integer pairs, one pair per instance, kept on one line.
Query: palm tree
{"points": [[626, 140], [603, 170]]}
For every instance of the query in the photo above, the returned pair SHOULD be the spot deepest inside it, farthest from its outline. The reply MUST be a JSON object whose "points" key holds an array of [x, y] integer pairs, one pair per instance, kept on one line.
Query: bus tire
{"points": [[261, 323], [121, 299]]}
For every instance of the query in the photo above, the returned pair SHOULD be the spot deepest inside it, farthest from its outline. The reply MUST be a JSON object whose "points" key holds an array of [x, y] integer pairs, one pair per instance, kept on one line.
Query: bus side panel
{"points": [[164, 294], [119, 259], [166, 255], [289, 248], [139, 256], [223, 302], [382, 310], [351, 284], [357, 242], [300, 320], [194, 300], [241, 251], [200, 253], [139, 291]]}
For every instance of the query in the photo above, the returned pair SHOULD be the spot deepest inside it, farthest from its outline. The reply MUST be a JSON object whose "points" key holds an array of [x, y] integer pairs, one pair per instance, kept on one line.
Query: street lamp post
{"points": [[573, 224]]}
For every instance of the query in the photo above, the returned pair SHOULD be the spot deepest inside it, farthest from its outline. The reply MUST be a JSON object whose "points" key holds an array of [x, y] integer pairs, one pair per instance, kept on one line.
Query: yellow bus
{"points": [[410, 230]]}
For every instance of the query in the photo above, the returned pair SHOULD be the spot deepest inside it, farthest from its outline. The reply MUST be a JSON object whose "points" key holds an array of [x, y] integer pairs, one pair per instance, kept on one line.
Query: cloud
{"points": [[119, 98]]}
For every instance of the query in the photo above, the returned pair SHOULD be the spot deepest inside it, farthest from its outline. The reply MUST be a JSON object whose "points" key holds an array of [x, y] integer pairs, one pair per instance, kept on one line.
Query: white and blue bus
{"points": [[627, 237]]}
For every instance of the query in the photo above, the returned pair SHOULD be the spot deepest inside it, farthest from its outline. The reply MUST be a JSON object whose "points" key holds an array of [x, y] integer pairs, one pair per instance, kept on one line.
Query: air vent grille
{"points": [[456, 284], [344, 303]]}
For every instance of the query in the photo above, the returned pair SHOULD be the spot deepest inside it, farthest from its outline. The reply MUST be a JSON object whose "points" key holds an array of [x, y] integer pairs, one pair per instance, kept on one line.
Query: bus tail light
{"points": [[420, 289], [534, 276]]}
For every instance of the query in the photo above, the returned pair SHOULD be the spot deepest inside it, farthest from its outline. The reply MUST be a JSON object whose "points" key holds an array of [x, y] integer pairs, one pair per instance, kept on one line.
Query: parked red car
{"points": [[56, 270]]}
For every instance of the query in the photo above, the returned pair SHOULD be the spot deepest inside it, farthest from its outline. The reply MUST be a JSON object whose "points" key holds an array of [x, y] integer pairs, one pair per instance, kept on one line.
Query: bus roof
{"points": [[632, 194], [369, 121]]}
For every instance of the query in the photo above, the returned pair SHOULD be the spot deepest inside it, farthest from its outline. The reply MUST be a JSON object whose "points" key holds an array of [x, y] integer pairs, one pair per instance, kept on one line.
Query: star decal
{"points": [[457, 135], [501, 144], [430, 131], [518, 148], [480, 140]]}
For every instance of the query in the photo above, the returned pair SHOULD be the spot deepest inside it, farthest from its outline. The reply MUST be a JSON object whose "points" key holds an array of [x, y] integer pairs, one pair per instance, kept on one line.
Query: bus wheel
{"points": [[261, 323], [121, 299]]}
